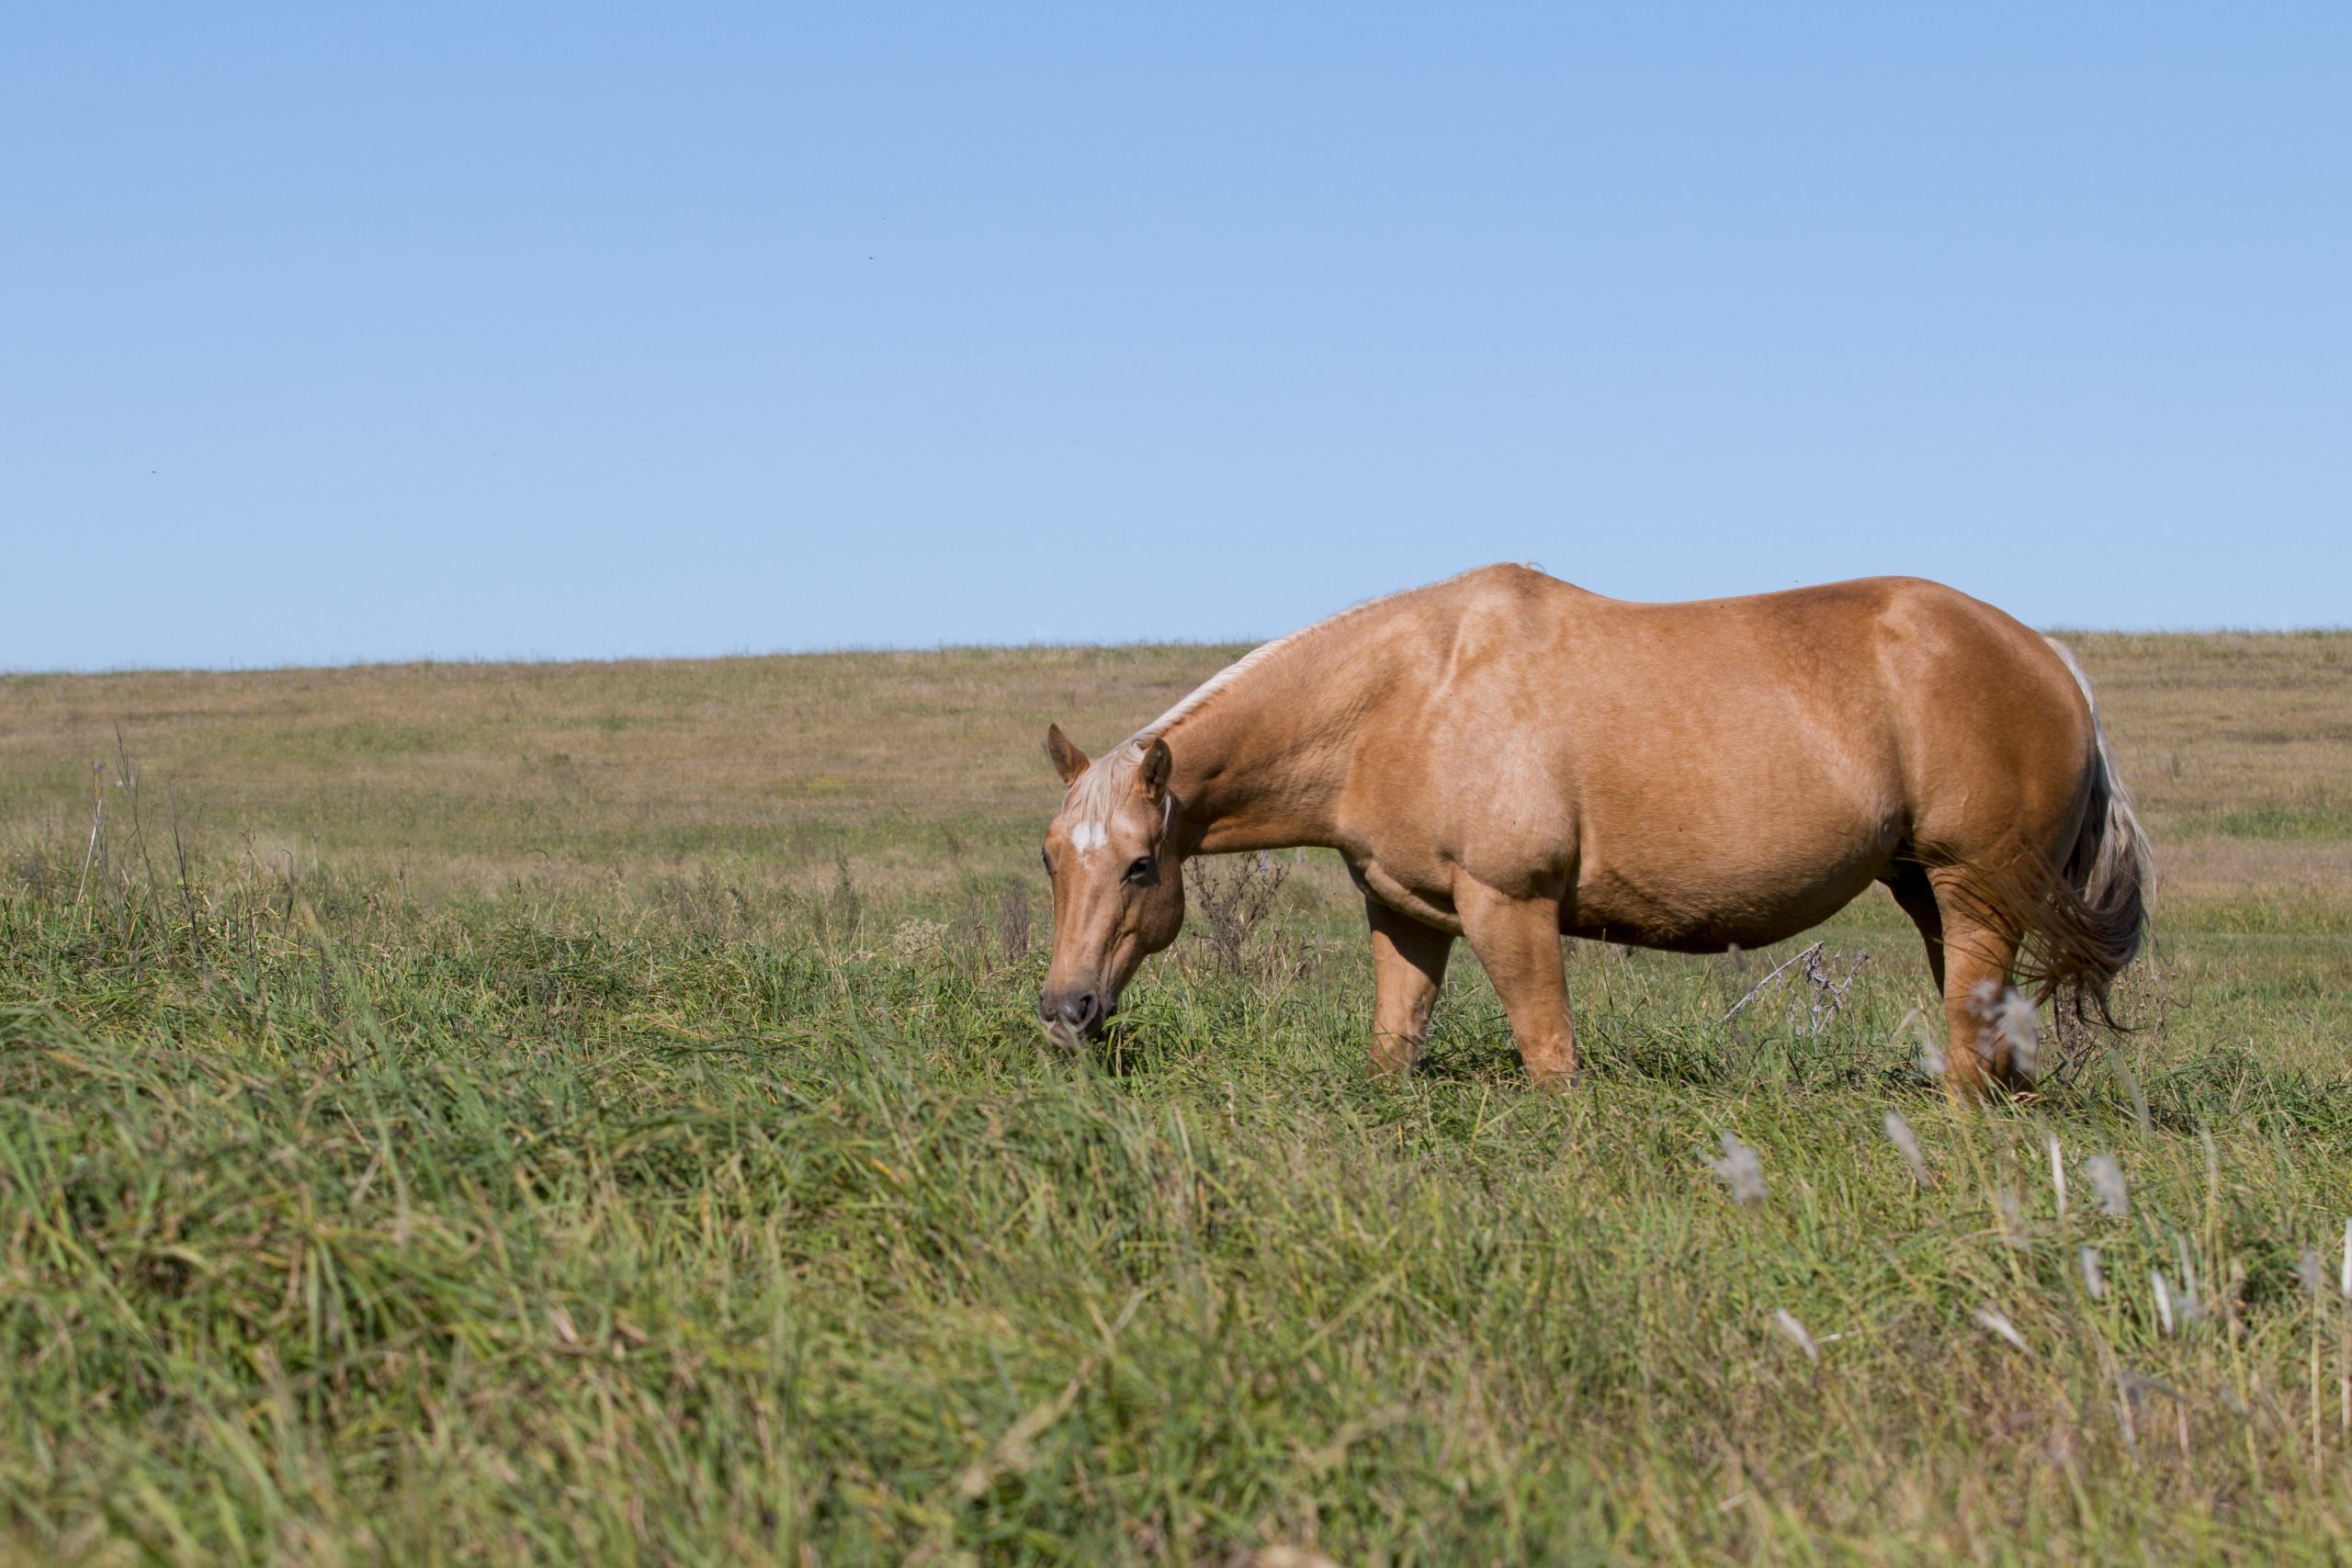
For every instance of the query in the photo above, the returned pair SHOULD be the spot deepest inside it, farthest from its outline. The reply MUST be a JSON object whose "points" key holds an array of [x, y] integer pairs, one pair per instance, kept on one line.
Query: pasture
{"points": [[473, 1113]]}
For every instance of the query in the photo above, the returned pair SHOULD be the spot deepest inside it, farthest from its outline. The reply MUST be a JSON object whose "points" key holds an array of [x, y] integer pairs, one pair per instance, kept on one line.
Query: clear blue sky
{"points": [[332, 332]]}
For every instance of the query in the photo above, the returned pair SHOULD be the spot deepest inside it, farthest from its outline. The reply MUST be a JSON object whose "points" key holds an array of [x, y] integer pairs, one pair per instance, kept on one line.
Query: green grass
{"points": [[2273, 821], [679, 1212], [536, 1228]]}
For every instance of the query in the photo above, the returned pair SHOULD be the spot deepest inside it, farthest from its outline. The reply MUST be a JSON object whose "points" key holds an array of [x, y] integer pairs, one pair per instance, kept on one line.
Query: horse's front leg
{"points": [[1407, 968], [1518, 941]]}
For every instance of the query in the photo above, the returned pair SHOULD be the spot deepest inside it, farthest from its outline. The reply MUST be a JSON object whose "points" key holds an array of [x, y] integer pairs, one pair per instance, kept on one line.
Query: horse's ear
{"points": [[1069, 761], [1151, 778]]}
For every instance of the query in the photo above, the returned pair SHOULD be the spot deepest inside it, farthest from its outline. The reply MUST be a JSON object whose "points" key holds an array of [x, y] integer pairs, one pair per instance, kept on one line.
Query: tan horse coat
{"points": [[1506, 757]]}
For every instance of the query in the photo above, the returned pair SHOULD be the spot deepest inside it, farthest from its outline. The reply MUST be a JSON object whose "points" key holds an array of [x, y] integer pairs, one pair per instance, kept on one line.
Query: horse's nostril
{"points": [[1078, 1009]]}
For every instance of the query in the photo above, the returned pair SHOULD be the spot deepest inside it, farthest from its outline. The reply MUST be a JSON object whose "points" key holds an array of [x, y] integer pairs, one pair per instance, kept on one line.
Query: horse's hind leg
{"points": [[1407, 968], [1518, 941], [1977, 956], [1917, 897]]}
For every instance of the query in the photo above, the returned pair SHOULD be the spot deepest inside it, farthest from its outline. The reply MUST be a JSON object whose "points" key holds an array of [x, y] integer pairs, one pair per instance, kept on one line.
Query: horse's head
{"points": [[1114, 855]]}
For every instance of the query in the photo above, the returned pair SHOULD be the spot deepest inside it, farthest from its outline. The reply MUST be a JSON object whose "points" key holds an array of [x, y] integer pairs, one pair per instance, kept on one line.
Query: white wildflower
{"points": [[2313, 1273], [1999, 1323], [2107, 1180], [1739, 1171], [1899, 1134], [2187, 1302], [1788, 1326], [2094, 1277], [2058, 1176], [2011, 1210], [1932, 1050], [2018, 1025], [2009, 1022], [2164, 1298]]}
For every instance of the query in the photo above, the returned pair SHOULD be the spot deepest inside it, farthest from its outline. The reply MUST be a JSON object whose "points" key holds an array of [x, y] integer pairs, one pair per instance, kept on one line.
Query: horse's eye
{"points": [[1047, 861], [1141, 871]]}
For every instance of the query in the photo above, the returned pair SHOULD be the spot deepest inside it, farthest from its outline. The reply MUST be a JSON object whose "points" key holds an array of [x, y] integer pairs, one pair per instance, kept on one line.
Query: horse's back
{"points": [[1720, 769], [1886, 694]]}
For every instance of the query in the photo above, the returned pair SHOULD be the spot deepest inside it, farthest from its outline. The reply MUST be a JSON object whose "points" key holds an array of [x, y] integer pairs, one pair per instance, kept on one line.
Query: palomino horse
{"points": [[1506, 757]]}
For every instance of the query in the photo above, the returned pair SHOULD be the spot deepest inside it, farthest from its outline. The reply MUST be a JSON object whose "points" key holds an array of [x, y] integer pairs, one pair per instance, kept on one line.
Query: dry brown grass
{"points": [[924, 768], [2238, 748], [471, 775]]}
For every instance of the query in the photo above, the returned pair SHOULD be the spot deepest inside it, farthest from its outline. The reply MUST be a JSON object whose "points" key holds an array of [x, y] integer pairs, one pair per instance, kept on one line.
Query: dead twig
{"points": [[1758, 989], [1811, 1012]]}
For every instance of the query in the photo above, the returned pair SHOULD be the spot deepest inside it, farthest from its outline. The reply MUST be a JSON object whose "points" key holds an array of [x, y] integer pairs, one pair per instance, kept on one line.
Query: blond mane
{"points": [[1096, 793]]}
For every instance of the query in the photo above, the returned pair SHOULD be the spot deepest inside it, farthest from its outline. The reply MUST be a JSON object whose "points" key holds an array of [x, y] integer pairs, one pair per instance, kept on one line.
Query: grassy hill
{"points": [[510, 1113]]}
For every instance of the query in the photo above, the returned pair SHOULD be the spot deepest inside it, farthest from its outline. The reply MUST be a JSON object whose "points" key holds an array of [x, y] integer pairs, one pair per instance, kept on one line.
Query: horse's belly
{"points": [[1707, 902]]}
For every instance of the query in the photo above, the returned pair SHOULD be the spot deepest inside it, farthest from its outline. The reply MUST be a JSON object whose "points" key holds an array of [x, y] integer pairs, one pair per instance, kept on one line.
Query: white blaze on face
{"points": [[1088, 837]]}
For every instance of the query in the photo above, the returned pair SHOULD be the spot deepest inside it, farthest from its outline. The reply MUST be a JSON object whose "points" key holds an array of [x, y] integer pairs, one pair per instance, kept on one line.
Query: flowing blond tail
{"points": [[2092, 917]]}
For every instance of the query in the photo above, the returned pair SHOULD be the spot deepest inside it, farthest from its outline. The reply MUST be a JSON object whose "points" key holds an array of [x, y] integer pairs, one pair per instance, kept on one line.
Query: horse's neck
{"points": [[1261, 763]]}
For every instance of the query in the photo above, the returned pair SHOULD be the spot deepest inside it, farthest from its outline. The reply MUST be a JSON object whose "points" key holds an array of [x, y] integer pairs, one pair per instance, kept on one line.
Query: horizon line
{"points": [[836, 650]]}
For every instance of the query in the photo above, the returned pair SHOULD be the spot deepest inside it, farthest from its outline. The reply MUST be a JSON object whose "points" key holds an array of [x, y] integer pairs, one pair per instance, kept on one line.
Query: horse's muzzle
{"points": [[1072, 1016]]}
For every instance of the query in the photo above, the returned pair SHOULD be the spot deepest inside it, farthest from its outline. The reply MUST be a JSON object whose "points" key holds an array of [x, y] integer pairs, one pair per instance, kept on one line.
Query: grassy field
{"points": [[591, 1113]]}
